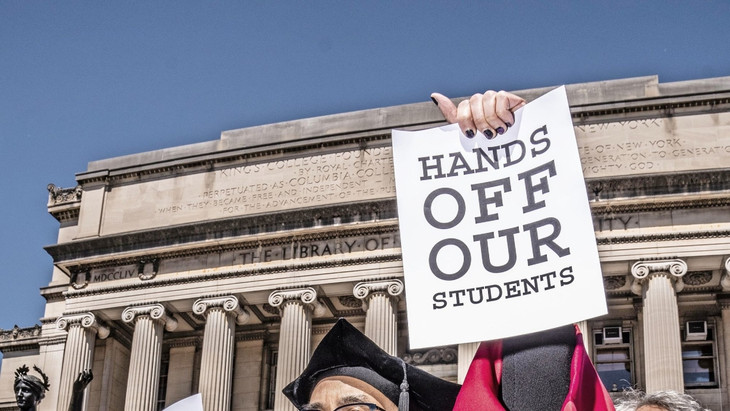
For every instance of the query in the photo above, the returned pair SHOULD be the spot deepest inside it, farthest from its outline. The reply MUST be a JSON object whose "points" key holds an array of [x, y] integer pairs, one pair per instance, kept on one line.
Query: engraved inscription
{"points": [[287, 184], [654, 145], [294, 250]]}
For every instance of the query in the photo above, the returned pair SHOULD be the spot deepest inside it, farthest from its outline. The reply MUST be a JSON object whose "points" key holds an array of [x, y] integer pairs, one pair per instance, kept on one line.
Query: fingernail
{"points": [[489, 134], [469, 133], [434, 101], [500, 130], [508, 124]]}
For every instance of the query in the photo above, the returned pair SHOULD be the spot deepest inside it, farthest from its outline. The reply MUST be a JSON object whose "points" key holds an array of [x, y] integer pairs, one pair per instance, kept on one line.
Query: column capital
{"points": [[86, 320], [306, 296], [674, 269], [393, 287], [155, 311], [643, 269], [228, 303]]}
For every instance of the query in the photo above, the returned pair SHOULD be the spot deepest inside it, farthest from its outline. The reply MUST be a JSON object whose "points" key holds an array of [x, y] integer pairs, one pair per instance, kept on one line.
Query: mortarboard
{"points": [[346, 351]]}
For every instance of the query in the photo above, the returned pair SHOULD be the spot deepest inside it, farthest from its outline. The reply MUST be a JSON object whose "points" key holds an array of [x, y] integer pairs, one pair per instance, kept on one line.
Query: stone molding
{"points": [[16, 333], [384, 257], [155, 311], [228, 303], [86, 320], [267, 228], [306, 296], [674, 236], [363, 290], [257, 336], [184, 342], [674, 269]]}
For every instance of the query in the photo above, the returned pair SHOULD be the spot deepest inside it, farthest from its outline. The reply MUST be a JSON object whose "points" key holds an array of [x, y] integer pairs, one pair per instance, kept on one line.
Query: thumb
{"points": [[447, 107]]}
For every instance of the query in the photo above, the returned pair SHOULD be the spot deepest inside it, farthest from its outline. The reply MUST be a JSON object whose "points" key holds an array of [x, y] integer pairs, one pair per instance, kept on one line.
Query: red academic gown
{"points": [[481, 385]]}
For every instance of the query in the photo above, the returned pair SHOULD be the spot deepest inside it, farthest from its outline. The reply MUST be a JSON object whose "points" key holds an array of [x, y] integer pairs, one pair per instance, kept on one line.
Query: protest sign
{"points": [[192, 403], [497, 236]]}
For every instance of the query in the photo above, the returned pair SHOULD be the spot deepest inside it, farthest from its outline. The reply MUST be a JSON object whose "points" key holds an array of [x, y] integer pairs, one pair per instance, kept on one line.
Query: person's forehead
{"points": [[345, 385], [651, 408], [342, 389]]}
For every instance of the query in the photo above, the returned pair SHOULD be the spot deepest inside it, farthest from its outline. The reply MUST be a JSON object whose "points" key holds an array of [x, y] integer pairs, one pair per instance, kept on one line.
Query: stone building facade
{"points": [[217, 267]]}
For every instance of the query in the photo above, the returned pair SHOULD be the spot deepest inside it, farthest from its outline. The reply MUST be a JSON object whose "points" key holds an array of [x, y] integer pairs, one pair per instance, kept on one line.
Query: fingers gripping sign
{"points": [[490, 113]]}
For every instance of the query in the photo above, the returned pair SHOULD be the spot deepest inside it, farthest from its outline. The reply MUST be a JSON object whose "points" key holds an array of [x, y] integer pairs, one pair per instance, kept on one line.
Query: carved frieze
{"points": [[614, 282], [350, 301], [17, 333], [698, 277]]}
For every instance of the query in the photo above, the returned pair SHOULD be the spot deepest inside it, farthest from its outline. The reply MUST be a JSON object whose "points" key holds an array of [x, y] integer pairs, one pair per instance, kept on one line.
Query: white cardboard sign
{"points": [[192, 403], [497, 236]]}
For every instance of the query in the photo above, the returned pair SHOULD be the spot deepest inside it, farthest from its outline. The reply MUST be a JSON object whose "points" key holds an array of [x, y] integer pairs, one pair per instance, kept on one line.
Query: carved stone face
{"points": [[25, 396]]}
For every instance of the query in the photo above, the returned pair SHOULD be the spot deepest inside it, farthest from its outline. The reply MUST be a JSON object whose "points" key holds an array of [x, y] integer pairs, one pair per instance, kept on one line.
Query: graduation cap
{"points": [[345, 351]]}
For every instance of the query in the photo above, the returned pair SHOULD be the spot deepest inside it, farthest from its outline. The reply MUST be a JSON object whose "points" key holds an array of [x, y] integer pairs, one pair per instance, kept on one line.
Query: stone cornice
{"points": [[595, 101], [222, 235], [609, 188], [253, 271], [155, 311], [53, 293], [627, 238], [659, 203]]}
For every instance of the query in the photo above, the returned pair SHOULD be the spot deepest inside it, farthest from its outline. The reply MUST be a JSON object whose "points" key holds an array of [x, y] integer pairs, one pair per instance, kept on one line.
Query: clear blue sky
{"points": [[82, 81]]}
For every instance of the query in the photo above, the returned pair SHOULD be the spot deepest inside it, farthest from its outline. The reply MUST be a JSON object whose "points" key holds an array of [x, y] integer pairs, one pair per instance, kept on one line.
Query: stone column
{"points": [[466, 355], [296, 307], [216, 365], [659, 282], [380, 302], [78, 354], [587, 336], [144, 359]]}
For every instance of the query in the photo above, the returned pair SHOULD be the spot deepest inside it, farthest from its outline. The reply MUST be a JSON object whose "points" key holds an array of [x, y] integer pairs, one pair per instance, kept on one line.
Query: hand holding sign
{"points": [[491, 112], [501, 242]]}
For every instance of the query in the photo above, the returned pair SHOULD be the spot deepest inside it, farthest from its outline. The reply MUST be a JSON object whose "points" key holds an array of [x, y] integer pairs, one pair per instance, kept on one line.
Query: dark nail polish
{"points": [[469, 133], [434, 101], [508, 124], [500, 130], [489, 134]]}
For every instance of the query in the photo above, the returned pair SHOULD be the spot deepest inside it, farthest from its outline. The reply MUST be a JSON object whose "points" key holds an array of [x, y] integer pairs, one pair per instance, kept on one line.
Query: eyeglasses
{"points": [[356, 406]]}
